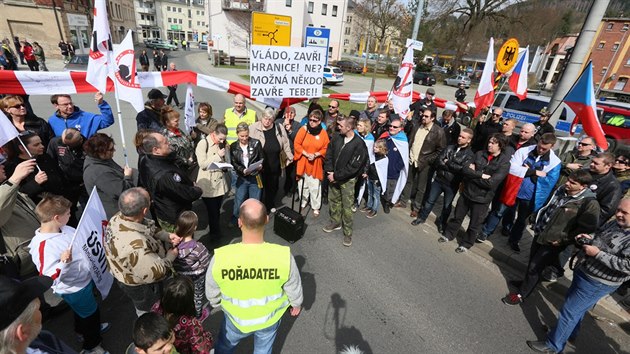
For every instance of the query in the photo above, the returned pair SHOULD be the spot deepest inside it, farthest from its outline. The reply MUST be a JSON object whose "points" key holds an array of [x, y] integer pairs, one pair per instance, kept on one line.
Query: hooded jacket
{"points": [[86, 122]]}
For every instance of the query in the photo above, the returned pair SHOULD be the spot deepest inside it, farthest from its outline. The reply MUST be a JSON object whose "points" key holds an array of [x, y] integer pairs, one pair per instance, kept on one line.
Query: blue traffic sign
{"points": [[317, 37]]}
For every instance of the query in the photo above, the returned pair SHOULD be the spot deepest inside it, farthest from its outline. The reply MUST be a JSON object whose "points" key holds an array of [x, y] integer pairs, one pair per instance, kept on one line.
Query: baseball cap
{"points": [[544, 111], [431, 91], [154, 94], [355, 113], [15, 296]]}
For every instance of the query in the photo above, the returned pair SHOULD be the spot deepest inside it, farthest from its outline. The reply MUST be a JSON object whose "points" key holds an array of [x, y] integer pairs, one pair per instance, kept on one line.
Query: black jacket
{"points": [[450, 163], [460, 95], [452, 132], [378, 129], [255, 151], [54, 185], [542, 129], [149, 119], [38, 126], [483, 132], [171, 190], [345, 161], [144, 59], [70, 160], [481, 190], [608, 192]]}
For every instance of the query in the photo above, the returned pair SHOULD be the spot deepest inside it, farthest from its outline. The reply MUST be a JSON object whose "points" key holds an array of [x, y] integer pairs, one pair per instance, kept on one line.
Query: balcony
{"points": [[243, 5], [145, 10]]}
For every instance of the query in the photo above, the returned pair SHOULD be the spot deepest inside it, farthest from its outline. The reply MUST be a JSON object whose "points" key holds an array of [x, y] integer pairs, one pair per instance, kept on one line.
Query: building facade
{"points": [[121, 19], [553, 60], [230, 22], [610, 53]]}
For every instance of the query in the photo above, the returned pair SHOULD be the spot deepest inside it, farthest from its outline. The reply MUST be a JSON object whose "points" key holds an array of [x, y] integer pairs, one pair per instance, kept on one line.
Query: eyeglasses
{"points": [[65, 104], [314, 120], [426, 116], [584, 144], [18, 106], [496, 114], [329, 106], [621, 161], [394, 126]]}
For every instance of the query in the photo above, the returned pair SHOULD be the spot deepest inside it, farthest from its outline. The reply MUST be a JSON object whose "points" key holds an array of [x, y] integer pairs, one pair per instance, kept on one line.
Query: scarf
{"points": [[314, 131]]}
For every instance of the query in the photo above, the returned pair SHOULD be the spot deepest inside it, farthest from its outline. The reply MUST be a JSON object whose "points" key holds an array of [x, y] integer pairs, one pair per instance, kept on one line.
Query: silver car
{"points": [[456, 80]]}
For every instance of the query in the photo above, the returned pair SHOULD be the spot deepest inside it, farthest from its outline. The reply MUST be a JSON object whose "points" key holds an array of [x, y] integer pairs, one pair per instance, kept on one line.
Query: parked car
{"points": [[164, 44], [427, 79], [439, 69], [203, 45], [332, 75], [349, 66], [455, 80], [150, 43], [78, 62]]}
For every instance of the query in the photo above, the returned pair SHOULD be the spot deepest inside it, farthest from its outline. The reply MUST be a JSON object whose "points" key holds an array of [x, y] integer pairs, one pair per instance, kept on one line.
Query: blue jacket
{"points": [[86, 122]]}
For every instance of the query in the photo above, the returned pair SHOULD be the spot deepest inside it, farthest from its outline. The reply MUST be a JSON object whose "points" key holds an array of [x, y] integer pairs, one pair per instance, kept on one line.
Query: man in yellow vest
{"points": [[254, 282], [235, 115]]}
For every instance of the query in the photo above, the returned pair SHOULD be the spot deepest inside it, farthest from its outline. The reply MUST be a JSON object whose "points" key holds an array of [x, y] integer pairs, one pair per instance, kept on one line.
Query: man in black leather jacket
{"points": [[481, 179], [171, 190], [605, 185], [448, 176]]}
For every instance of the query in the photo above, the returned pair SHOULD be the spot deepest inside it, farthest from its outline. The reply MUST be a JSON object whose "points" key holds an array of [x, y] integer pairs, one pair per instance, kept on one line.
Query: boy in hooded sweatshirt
{"points": [[54, 256]]}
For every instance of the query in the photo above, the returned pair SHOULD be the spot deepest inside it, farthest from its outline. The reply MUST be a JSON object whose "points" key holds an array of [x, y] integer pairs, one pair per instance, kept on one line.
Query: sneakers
{"points": [[347, 241], [443, 239], [481, 237], [512, 299], [365, 210], [354, 208], [548, 274], [440, 228], [400, 205], [331, 227], [540, 346], [105, 326], [461, 249], [316, 213], [515, 247], [96, 350], [371, 214], [418, 221]]}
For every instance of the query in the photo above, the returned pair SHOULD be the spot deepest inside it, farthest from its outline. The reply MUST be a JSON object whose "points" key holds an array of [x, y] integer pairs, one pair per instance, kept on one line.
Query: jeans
{"points": [[230, 336], [582, 296], [374, 194], [525, 209], [438, 188], [492, 221], [246, 187], [477, 212]]}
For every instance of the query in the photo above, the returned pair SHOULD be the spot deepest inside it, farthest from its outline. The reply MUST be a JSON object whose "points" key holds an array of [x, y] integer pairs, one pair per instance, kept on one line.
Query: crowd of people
{"points": [[360, 163]]}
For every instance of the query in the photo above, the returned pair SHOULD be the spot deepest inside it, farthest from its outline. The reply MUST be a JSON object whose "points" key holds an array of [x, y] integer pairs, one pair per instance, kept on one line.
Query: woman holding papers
{"points": [[277, 153], [311, 143], [211, 151], [247, 157]]}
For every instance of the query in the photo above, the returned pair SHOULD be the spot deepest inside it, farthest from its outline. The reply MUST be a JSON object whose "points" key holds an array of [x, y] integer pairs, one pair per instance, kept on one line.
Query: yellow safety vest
{"points": [[251, 277], [232, 120]]}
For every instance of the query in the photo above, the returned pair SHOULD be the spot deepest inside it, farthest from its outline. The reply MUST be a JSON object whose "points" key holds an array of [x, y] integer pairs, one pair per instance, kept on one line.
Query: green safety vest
{"points": [[616, 120], [251, 277], [232, 120]]}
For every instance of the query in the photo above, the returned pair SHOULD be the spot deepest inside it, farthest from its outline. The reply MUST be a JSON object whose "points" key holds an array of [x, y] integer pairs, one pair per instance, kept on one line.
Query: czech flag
{"points": [[581, 99], [485, 93], [518, 79]]}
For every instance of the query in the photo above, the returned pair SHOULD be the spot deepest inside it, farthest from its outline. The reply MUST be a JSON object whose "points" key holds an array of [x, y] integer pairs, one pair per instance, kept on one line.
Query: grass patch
{"points": [[369, 75], [238, 66], [244, 77]]}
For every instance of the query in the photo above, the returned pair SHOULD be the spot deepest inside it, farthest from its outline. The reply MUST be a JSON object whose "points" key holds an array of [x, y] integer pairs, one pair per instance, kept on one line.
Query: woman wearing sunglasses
{"points": [[23, 120]]}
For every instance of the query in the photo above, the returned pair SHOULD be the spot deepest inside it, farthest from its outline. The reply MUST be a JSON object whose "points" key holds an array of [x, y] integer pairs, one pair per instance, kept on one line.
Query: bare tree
{"points": [[382, 17]]}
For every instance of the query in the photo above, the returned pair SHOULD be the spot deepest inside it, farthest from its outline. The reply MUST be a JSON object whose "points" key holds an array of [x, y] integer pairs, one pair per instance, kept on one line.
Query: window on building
{"points": [[621, 84], [197, 12], [324, 9], [346, 41], [601, 45], [198, 23], [349, 19], [142, 17], [202, 13], [628, 62], [170, 20], [168, 8], [179, 9], [610, 26], [626, 26], [189, 13], [288, 3], [189, 23], [603, 72], [181, 21], [615, 47], [347, 30], [310, 7], [334, 11]]}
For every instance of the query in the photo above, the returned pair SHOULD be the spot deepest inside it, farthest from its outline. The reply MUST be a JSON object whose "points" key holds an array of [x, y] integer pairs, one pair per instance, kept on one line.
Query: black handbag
{"points": [[288, 223]]}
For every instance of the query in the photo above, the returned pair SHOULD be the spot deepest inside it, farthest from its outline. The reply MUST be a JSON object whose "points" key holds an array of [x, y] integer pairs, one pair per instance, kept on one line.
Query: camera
{"points": [[582, 241]]}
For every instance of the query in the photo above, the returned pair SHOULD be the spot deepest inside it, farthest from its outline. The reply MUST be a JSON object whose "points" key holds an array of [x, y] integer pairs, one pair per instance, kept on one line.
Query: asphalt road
{"points": [[396, 290]]}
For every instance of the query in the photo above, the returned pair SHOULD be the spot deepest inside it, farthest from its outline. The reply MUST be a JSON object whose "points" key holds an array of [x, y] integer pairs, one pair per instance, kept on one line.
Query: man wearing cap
{"points": [[420, 105], [21, 318], [149, 118], [543, 126]]}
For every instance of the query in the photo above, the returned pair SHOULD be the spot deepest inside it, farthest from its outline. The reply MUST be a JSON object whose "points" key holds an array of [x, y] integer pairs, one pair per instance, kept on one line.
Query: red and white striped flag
{"points": [[485, 93], [100, 48]]}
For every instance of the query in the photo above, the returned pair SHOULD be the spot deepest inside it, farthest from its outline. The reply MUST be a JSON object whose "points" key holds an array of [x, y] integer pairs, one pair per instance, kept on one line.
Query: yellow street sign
{"points": [[270, 29], [508, 55]]}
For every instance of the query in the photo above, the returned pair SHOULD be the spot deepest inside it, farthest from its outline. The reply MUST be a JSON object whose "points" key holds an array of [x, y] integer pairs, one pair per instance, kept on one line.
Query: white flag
{"points": [[402, 91], [124, 74], [100, 48], [89, 237], [8, 131], [189, 110]]}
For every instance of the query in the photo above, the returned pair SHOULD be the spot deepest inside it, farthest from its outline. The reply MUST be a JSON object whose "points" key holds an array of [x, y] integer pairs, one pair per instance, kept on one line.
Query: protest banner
{"points": [[277, 72]]}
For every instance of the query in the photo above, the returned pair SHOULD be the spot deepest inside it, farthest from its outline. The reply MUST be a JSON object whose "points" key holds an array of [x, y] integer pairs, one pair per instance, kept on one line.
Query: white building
{"points": [[172, 19], [230, 22]]}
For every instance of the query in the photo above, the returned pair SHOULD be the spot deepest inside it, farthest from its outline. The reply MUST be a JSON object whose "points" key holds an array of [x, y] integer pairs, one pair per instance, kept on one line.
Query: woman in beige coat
{"points": [[277, 154], [212, 181]]}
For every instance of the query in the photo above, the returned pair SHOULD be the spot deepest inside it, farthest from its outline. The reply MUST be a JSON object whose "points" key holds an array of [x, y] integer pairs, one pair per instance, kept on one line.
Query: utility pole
{"points": [[580, 52], [416, 24]]}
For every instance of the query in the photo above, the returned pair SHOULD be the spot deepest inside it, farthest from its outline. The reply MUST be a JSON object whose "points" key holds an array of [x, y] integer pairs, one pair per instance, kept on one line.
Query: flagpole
{"points": [[122, 131], [493, 101], [28, 152], [571, 89]]}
